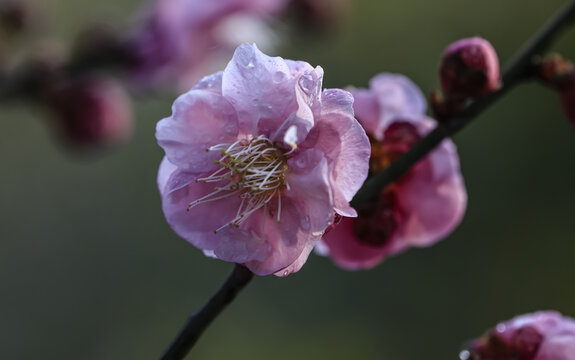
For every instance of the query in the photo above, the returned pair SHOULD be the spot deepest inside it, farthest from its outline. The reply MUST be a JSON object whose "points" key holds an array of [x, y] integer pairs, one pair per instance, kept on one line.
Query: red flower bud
{"points": [[469, 68], [91, 111], [559, 74]]}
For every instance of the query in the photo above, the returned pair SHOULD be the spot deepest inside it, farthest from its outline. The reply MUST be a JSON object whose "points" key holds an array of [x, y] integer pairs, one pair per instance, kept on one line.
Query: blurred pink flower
{"points": [[419, 209], [90, 111], [259, 160], [469, 67], [180, 39], [543, 335]]}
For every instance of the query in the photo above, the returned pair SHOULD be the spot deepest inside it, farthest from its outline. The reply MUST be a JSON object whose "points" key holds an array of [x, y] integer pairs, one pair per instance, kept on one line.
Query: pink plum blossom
{"points": [[179, 39], [90, 111], [419, 209], [469, 67], [543, 335], [259, 160]]}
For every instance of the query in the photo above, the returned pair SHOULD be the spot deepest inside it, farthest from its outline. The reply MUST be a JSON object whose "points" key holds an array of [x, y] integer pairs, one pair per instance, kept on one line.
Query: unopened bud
{"points": [[544, 335], [469, 68], [91, 111], [559, 74], [555, 71], [15, 16]]}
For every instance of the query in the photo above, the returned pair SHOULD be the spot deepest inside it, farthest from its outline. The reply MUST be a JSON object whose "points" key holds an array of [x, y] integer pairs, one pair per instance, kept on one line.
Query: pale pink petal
{"points": [[300, 261], [432, 197], [259, 87], [166, 170], [309, 187], [242, 246], [366, 109], [198, 224], [351, 165], [211, 82], [200, 119], [306, 210], [286, 238], [397, 96]]}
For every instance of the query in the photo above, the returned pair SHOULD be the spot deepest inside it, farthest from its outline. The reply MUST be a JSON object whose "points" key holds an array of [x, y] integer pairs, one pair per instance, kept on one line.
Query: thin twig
{"points": [[519, 69], [199, 321]]}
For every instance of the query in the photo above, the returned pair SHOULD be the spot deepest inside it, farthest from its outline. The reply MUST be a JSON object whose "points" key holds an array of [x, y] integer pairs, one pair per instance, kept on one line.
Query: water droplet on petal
{"points": [[230, 129], [278, 76], [250, 65], [304, 223], [301, 162], [500, 328], [306, 83], [464, 355]]}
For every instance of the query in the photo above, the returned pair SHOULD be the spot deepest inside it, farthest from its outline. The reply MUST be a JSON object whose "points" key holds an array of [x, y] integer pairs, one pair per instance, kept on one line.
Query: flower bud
{"points": [[559, 74], [543, 335], [15, 16], [555, 71], [91, 111], [469, 68]]}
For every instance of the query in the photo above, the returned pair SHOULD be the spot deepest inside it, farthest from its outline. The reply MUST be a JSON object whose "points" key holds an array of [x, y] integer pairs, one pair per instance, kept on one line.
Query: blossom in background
{"points": [[419, 209], [90, 111], [179, 39], [259, 160], [543, 335]]}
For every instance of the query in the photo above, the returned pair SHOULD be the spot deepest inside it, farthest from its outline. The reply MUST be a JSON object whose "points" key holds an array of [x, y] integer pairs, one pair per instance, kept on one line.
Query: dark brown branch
{"points": [[199, 321]]}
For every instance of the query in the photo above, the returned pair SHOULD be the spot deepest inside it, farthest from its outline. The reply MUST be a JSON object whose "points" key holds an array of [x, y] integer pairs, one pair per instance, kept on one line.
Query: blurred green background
{"points": [[90, 270]]}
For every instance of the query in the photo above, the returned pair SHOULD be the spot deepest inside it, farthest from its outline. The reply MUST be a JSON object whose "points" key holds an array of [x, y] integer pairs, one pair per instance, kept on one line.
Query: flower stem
{"points": [[199, 321], [520, 68]]}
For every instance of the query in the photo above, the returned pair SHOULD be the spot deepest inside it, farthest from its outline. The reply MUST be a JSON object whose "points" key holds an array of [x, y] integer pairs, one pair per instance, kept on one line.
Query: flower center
{"points": [[378, 220], [397, 140], [254, 170]]}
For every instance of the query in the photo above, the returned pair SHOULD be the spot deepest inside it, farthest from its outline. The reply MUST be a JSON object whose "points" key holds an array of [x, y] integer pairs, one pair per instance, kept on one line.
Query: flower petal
{"points": [[164, 173], [200, 119], [259, 87], [345, 249], [307, 110], [211, 82], [198, 225], [306, 210], [337, 129], [366, 109], [432, 197], [396, 95]]}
